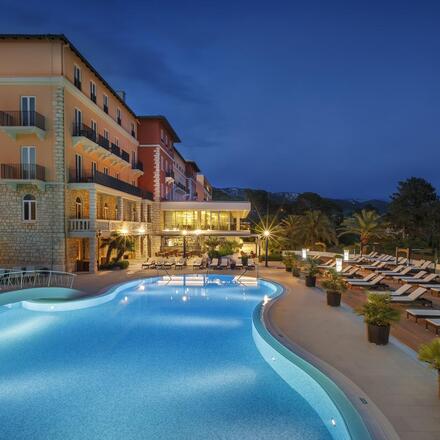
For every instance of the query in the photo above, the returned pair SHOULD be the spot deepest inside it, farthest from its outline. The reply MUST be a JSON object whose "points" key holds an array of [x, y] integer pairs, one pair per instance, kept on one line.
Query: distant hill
{"points": [[346, 206]]}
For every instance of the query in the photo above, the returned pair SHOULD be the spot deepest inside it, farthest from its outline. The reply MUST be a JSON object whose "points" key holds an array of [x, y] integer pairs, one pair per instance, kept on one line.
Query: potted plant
{"points": [[288, 264], [335, 285], [311, 270], [430, 353], [296, 271], [378, 315]]}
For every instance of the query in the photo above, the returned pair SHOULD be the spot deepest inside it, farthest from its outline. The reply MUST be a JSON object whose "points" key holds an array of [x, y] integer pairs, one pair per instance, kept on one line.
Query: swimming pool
{"points": [[148, 361]]}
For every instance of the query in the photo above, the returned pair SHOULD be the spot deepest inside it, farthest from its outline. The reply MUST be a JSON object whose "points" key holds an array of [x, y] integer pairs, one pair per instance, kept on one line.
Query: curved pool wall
{"points": [[328, 400], [332, 406]]}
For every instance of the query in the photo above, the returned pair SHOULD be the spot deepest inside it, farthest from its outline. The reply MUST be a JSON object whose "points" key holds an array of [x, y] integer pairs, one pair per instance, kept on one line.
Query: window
{"points": [[27, 107], [28, 166], [133, 159], [105, 103], [161, 163], [77, 126], [78, 167], [93, 91], [116, 212], [117, 176], [94, 128], [117, 142], [118, 116], [77, 76], [29, 208], [78, 208], [133, 131], [106, 135], [105, 211], [106, 171], [161, 134], [94, 169]]}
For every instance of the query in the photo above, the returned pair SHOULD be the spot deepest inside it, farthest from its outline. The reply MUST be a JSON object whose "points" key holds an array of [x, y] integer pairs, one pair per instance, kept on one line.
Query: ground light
{"points": [[346, 254], [304, 254], [338, 264]]}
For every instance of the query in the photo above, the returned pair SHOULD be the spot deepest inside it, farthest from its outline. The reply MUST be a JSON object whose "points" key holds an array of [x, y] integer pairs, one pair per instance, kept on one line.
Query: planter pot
{"points": [[378, 334], [288, 269], [296, 273], [310, 281], [333, 298]]}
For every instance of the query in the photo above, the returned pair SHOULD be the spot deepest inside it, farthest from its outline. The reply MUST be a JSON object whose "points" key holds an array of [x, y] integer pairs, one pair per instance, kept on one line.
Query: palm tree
{"points": [[314, 228], [430, 353], [289, 227], [118, 242], [367, 225]]}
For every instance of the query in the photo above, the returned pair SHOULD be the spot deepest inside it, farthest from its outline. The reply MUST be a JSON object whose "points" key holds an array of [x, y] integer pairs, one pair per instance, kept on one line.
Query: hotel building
{"points": [[77, 164]]}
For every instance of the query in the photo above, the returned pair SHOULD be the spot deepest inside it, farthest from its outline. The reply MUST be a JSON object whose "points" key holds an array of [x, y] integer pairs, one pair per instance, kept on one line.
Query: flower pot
{"points": [[296, 273], [310, 281], [333, 298], [378, 334]]}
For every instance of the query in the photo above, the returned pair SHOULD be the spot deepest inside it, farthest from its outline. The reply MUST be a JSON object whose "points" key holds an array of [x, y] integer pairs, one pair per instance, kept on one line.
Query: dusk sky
{"points": [[337, 97]]}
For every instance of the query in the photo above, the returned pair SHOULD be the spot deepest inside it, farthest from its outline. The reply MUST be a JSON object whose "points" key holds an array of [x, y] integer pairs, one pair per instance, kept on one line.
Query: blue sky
{"points": [[337, 97]]}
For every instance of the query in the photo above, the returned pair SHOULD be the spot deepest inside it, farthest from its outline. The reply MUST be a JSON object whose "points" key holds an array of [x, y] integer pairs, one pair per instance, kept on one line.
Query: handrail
{"points": [[36, 278]]}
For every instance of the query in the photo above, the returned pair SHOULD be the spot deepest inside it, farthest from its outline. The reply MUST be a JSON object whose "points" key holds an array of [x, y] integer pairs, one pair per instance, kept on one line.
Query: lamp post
{"points": [[266, 233], [184, 234]]}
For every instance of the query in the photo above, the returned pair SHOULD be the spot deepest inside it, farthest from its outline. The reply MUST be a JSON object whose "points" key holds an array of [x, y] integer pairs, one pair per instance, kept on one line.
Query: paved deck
{"points": [[394, 383]]}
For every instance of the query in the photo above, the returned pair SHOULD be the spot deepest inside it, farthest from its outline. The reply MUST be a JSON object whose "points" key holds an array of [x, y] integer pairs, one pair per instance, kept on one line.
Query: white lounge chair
{"points": [[422, 313], [213, 263], [366, 278], [331, 263], [250, 264], [239, 263], [374, 282], [149, 263], [428, 279], [224, 263], [412, 297], [416, 277], [434, 323], [197, 263], [180, 262], [351, 272]]}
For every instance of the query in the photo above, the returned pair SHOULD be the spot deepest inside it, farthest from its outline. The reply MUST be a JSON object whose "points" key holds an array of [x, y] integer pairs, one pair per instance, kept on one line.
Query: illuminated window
{"points": [[29, 208]]}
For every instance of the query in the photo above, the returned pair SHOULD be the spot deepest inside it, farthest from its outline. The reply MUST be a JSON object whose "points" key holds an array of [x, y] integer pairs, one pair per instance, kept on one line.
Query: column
{"points": [[237, 223], [93, 255], [92, 209], [137, 246], [120, 203], [138, 211]]}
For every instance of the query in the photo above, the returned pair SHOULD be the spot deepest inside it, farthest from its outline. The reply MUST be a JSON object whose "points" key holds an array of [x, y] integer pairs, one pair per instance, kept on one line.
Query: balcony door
{"points": [[78, 122], [28, 163], [78, 168], [27, 107]]}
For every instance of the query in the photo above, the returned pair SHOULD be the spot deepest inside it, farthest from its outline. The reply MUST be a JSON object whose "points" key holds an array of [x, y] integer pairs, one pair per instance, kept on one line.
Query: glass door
{"points": [[27, 107], [28, 163]]}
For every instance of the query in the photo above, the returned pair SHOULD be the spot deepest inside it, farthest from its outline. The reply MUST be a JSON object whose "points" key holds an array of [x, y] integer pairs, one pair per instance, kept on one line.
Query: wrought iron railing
{"points": [[22, 118], [22, 171], [84, 130], [137, 166]]}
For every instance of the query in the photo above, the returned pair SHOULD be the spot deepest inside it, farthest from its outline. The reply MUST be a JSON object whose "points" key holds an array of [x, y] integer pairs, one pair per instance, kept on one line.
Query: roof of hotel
{"points": [[179, 154], [165, 121], [194, 165], [65, 40]]}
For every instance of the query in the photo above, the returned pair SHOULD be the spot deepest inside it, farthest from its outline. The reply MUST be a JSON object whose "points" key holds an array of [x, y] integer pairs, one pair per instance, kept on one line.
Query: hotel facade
{"points": [[77, 164]]}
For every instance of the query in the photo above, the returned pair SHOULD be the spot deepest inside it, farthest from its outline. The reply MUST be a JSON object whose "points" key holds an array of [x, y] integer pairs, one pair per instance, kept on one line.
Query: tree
{"points": [[411, 211], [366, 225], [430, 353], [313, 228], [120, 243], [290, 226]]}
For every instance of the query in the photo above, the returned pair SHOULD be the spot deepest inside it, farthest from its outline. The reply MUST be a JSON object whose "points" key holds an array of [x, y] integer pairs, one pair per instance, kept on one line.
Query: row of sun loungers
{"points": [[196, 263]]}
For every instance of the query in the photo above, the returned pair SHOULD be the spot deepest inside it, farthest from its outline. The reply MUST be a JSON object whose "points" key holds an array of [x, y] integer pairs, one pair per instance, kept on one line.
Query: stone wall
{"points": [[72, 195], [38, 243]]}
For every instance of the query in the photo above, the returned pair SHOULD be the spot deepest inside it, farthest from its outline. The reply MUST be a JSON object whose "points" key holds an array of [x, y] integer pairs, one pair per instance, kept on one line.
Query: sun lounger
{"points": [[422, 313], [402, 290], [374, 282], [428, 279], [396, 271], [224, 263], [412, 297], [416, 277], [351, 272], [180, 263], [331, 263], [213, 263], [239, 263], [149, 263], [435, 322], [250, 264], [366, 278], [375, 267], [197, 263]]}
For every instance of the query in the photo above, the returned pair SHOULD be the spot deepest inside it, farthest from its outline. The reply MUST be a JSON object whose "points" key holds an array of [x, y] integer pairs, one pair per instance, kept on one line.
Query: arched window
{"points": [[29, 208], [78, 208], [105, 211]]}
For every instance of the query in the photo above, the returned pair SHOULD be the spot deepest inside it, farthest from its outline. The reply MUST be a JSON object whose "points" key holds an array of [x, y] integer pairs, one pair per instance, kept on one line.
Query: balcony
{"points": [[181, 187], [93, 142], [169, 176], [119, 121], [138, 166], [22, 171], [110, 182], [105, 108], [15, 123], [81, 226], [133, 133]]}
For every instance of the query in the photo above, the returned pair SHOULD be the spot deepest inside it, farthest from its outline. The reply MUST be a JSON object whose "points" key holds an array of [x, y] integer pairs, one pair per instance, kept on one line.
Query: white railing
{"points": [[79, 224], [35, 278]]}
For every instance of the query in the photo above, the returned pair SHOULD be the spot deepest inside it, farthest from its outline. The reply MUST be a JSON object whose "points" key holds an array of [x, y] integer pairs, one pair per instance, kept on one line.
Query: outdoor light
{"points": [[266, 233], [346, 254], [184, 232], [304, 254], [197, 232], [141, 230], [338, 264], [124, 231]]}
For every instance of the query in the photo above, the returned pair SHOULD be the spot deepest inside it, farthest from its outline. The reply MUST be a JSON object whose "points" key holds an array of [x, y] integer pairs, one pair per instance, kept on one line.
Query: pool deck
{"points": [[404, 390]]}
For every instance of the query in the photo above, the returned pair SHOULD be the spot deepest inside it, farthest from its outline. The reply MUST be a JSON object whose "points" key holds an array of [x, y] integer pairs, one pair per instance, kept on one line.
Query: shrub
{"points": [[378, 311], [334, 282], [123, 264]]}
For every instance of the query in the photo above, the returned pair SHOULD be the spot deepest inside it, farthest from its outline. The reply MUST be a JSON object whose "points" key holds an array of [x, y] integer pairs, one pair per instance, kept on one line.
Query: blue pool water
{"points": [[166, 362]]}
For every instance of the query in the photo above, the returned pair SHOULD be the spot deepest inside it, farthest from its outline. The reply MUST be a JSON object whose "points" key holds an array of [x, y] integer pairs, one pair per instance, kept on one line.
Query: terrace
{"points": [[17, 123]]}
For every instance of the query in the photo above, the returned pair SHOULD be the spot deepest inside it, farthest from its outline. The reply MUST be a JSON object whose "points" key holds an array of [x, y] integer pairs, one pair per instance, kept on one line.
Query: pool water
{"points": [[165, 362]]}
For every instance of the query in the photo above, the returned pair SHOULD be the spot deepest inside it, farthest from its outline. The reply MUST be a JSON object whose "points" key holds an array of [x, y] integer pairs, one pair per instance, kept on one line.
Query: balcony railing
{"points": [[119, 121], [115, 149], [105, 108], [137, 166], [84, 130], [22, 118], [110, 182], [22, 171], [103, 142], [125, 156], [169, 174], [133, 133], [182, 187]]}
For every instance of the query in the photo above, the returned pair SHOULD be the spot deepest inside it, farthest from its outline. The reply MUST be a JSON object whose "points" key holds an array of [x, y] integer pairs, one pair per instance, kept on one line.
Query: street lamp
{"points": [[184, 233], [266, 233]]}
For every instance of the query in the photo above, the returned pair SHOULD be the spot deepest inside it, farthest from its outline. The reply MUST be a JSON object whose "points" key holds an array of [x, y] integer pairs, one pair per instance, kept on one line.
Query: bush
{"points": [[334, 282], [378, 311], [272, 257], [115, 265]]}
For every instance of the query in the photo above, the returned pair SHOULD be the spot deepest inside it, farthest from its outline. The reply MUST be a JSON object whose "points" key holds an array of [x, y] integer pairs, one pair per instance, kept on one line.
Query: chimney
{"points": [[121, 94]]}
